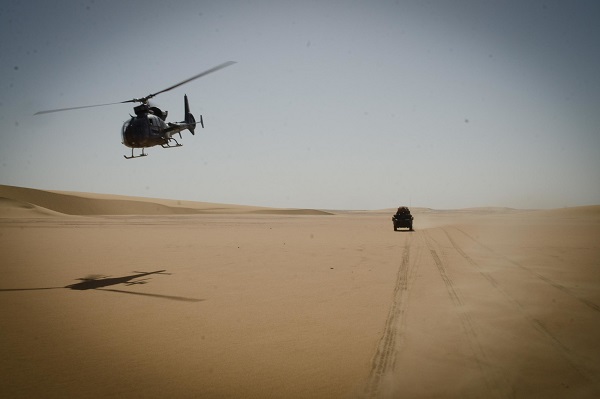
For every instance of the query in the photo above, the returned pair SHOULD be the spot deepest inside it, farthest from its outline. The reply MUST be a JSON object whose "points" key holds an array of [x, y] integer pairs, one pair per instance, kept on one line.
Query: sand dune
{"points": [[11, 208], [74, 203], [235, 303]]}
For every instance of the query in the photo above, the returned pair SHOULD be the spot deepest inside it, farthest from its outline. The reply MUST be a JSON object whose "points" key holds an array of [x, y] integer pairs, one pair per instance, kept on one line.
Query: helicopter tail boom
{"points": [[188, 123]]}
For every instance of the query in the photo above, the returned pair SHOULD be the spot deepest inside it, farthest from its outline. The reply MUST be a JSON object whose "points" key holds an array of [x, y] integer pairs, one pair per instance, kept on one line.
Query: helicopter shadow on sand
{"points": [[102, 283]]}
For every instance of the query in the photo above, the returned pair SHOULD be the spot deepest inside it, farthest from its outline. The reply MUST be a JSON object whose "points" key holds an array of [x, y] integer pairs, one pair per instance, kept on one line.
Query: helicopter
{"points": [[149, 127]]}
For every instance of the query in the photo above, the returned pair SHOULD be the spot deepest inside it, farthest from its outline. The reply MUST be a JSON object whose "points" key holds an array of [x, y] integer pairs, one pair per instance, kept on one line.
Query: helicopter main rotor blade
{"points": [[84, 106], [211, 70], [144, 100]]}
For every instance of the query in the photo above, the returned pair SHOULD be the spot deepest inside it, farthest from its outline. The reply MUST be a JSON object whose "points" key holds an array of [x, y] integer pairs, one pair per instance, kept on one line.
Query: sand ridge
{"points": [[11, 208], [75, 203]]}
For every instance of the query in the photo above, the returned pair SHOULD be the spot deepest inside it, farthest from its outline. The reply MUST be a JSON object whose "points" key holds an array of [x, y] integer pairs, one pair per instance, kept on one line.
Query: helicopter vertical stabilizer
{"points": [[189, 118]]}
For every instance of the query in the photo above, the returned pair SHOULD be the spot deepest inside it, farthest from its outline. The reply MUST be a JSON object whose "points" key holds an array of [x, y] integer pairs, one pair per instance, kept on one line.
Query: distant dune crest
{"points": [[10, 208], [28, 202]]}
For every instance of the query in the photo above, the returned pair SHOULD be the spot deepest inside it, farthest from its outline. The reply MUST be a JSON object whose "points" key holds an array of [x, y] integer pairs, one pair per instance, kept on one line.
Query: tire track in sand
{"points": [[483, 364], [545, 279], [537, 324], [385, 356]]}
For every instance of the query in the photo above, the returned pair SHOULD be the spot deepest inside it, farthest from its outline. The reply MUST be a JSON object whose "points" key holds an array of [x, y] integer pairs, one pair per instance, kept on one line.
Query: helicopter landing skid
{"points": [[168, 145], [143, 154]]}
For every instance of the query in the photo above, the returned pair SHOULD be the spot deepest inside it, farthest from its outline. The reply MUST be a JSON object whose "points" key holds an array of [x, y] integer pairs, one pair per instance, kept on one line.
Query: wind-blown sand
{"points": [[257, 302]]}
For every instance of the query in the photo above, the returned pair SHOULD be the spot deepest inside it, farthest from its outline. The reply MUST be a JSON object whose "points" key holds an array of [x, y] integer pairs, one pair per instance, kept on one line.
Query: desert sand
{"points": [[251, 302]]}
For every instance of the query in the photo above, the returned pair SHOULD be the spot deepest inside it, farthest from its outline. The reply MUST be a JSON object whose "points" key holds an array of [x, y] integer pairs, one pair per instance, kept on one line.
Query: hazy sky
{"points": [[332, 104]]}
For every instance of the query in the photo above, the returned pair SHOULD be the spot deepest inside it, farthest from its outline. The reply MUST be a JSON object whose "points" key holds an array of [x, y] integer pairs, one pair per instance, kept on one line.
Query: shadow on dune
{"points": [[100, 283]]}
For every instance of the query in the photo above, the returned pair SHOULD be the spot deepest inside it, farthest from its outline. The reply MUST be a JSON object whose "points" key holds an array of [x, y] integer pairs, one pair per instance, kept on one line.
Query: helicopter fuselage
{"points": [[149, 128], [145, 130]]}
